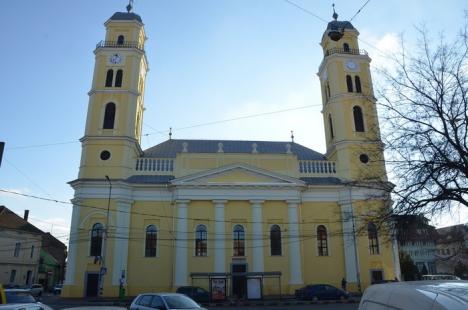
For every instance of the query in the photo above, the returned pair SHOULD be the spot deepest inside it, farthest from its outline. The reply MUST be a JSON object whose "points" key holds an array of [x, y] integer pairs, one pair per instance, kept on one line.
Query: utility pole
{"points": [[103, 270]]}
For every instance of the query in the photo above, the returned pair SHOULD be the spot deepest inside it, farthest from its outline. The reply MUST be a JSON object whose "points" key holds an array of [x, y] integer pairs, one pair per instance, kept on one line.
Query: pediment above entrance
{"points": [[238, 174]]}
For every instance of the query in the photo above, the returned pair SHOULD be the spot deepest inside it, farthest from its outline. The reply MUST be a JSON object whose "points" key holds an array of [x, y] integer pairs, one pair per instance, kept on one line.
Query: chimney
{"points": [[26, 215]]}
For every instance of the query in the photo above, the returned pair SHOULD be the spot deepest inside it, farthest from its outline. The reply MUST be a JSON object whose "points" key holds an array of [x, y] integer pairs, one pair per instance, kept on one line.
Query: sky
{"points": [[210, 61]]}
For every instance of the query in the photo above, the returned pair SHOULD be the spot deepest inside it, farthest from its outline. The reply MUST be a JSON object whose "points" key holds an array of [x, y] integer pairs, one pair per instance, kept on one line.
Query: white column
{"points": [[295, 265], [257, 236], [181, 244], [349, 238], [73, 243], [220, 237], [122, 223]]}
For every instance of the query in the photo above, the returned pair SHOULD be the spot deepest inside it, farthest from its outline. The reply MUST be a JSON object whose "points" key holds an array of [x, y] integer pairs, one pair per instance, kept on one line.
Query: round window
{"points": [[105, 155], [364, 158]]}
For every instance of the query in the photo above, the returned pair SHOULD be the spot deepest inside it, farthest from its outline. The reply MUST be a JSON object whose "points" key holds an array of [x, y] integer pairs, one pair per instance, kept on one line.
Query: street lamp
{"points": [[103, 269]]}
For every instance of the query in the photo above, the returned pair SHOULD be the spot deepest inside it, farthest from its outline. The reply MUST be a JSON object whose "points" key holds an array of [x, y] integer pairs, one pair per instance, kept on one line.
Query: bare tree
{"points": [[424, 104]]}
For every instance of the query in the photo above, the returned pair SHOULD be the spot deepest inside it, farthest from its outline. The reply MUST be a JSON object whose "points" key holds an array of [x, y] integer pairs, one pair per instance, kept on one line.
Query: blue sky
{"points": [[209, 60]]}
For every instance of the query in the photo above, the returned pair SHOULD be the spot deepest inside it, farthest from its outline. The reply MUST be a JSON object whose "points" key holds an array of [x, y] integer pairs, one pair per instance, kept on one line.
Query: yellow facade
{"points": [[187, 210]]}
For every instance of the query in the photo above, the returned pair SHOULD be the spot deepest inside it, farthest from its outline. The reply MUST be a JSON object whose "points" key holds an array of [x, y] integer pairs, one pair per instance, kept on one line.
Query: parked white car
{"points": [[21, 299], [427, 295], [164, 301], [36, 290]]}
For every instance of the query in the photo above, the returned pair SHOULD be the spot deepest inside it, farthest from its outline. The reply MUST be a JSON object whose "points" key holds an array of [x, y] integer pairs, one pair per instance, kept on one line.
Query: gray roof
{"points": [[336, 25], [170, 148], [321, 181], [126, 16]]}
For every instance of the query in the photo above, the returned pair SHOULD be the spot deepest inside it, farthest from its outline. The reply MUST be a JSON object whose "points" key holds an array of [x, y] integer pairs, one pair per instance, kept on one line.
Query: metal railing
{"points": [[317, 167], [116, 44], [350, 51], [159, 165]]}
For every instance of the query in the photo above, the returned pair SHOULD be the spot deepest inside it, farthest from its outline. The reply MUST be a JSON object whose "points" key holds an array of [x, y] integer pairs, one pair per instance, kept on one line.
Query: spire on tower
{"points": [[170, 133], [292, 136]]}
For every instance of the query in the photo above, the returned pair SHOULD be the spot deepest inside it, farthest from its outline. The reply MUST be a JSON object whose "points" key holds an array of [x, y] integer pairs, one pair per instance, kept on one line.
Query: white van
{"points": [[440, 277], [430, 295]]}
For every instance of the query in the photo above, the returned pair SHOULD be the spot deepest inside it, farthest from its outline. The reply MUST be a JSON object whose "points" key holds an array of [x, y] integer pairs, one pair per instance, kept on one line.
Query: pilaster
{"points": [[73, 242], [219, 242], [119, 268], [257, 236], [181, 244], [295, 264]]}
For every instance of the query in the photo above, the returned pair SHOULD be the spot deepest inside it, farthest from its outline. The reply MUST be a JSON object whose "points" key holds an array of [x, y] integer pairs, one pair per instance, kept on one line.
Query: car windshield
{"points": [[19, 298], [180, 302]]}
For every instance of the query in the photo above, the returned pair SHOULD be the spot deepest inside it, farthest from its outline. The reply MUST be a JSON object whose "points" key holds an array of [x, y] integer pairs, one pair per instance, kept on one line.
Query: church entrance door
{"points": [[92, 284], [239, 280]]}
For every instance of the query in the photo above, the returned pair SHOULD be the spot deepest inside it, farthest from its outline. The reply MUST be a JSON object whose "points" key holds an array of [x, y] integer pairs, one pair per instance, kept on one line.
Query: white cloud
{"points": [[382, 48]]}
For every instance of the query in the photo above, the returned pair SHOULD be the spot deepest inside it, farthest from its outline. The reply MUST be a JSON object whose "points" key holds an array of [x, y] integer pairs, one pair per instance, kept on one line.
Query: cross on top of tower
{"points": [[335, 15], [130, 6]]}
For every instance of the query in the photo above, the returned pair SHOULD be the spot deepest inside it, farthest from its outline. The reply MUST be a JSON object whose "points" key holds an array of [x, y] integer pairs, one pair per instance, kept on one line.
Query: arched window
{"points": [[349, 83], [109, 77], [200, 240], [328, 90], [118, 78], [322, 241], [238, 241], [96, 240], [346, 47], [358, 119], [373, 238], [150, 241], [275, 240], [330, 124], [109, 116], [120, 40], [357, 81]]}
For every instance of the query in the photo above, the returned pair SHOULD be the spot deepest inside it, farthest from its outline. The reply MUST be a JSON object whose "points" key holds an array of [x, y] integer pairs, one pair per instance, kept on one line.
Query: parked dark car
{"points": [[321, 292], [196, 293]]}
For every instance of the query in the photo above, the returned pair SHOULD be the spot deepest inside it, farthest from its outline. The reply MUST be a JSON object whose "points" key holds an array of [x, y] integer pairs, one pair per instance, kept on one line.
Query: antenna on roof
{"points": [[170, 133], [130, 6], [292, 136]]}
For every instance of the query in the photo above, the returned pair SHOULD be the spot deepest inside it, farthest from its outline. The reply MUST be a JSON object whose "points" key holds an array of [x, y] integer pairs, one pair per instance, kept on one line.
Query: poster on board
{"points": [[218, 289]]}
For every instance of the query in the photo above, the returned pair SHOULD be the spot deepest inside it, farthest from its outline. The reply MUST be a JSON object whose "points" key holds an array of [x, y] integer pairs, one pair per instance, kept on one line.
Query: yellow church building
{"points": [[242, 219]]}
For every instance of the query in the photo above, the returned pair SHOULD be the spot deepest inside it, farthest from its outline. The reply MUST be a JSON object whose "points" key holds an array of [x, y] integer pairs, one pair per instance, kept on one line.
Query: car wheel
{"points": [[315, 299], [342, 298]]}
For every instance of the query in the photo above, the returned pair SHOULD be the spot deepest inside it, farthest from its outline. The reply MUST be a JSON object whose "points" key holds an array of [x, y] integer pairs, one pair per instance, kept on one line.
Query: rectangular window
{"points": [[17, 249], [200, 247], [32, 251], [12, 276], [239, 248]]}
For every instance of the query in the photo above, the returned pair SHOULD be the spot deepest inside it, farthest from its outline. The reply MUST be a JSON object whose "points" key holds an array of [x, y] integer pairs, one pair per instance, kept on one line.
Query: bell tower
{"points": [[115, 109], [349, 106]]}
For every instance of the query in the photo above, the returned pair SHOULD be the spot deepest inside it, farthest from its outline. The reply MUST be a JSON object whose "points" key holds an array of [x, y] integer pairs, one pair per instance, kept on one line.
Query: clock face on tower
{"points": [[115, 59], [351, 65]]}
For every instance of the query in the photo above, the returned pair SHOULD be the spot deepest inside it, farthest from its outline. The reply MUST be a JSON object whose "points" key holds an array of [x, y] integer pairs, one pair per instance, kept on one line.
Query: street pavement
{"points": [[56, 302]]}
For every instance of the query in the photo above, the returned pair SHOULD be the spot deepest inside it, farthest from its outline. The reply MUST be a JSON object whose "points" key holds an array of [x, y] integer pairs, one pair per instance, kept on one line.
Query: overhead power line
{"points": [[161, 132], [359, 11], [305, 10], [163, 216]]}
